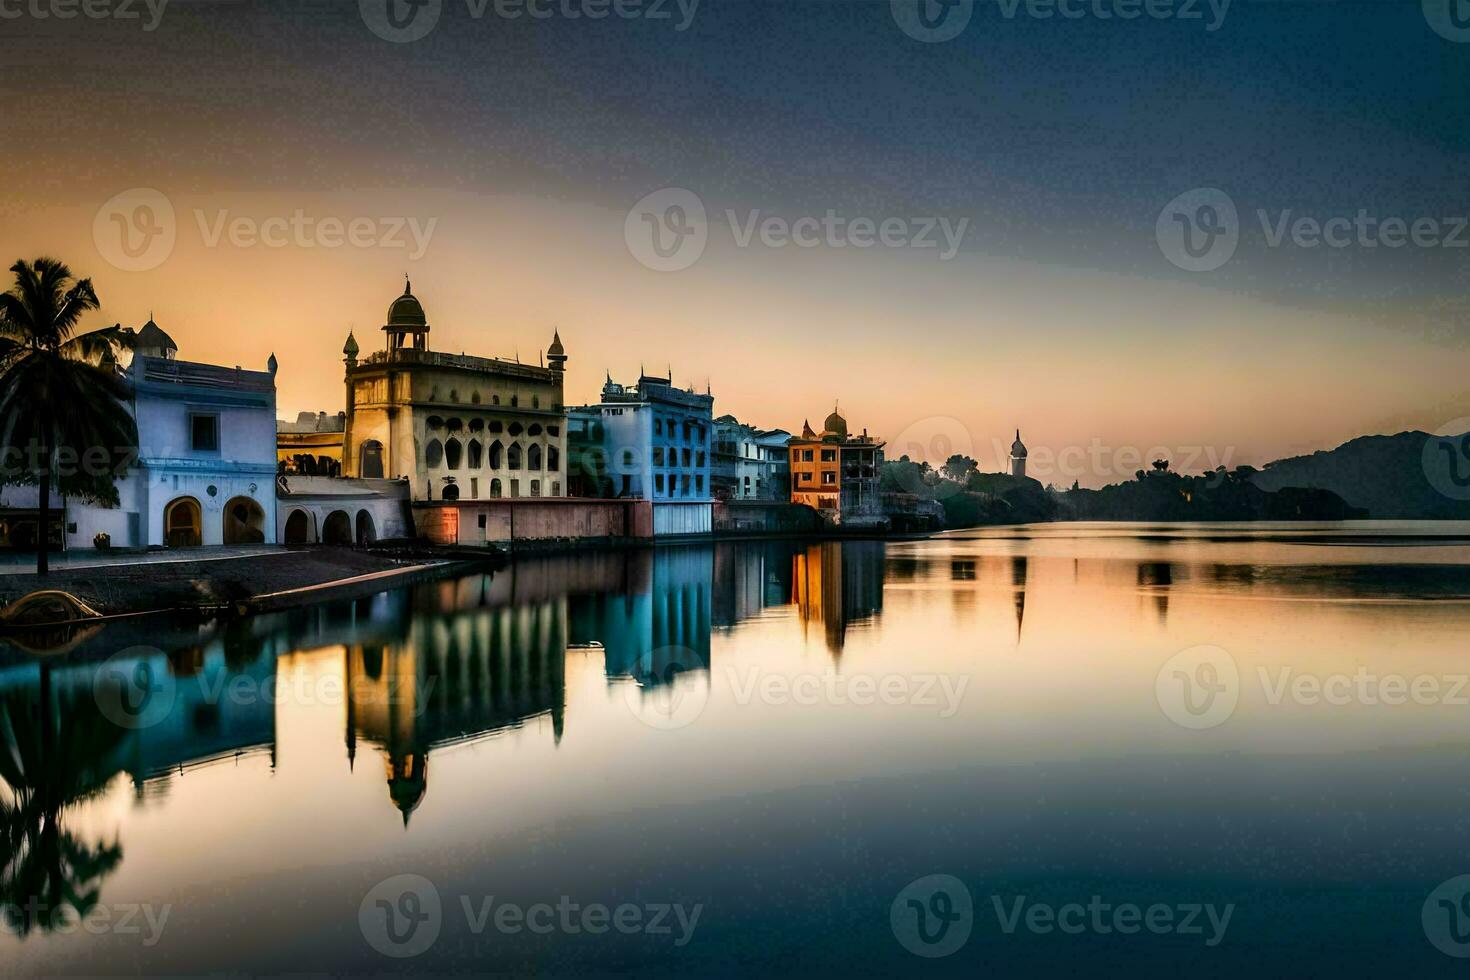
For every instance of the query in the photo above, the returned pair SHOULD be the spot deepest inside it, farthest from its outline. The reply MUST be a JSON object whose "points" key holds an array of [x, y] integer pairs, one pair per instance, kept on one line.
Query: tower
{"points": [[1018, 457], [556, 354], [407, 326]]}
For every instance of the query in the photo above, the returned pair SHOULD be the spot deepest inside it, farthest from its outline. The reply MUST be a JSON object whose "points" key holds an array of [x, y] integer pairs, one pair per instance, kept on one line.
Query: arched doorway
{"points": [[337, 529], [298, 528], [244, 522], [367, 532], [182, 524], [370, 460]]}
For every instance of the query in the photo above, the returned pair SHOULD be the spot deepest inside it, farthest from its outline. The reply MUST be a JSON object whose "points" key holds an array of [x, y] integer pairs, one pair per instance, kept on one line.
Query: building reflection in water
{"points": [[836, 584], [1155, 579], [653, 634], [453, 678], [1018, 585]]}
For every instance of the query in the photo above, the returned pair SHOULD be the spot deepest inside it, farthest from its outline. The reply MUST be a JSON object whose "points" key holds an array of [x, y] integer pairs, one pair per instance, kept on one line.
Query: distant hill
{"points": [[1218, 496], [1388, 476]]}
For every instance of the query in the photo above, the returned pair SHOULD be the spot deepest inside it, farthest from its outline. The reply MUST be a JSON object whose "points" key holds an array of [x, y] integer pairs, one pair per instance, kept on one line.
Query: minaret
{"points": [[1018, 457], [349, 359], [556, 354]]}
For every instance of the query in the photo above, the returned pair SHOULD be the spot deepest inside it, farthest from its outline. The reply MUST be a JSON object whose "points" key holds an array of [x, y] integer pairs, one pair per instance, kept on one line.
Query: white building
{"points": [[206, 467], [749, 463], [1018, 457]]}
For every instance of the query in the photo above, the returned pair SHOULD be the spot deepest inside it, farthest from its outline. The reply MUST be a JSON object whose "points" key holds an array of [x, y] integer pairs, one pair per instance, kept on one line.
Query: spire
{"points": [[272, 364]]}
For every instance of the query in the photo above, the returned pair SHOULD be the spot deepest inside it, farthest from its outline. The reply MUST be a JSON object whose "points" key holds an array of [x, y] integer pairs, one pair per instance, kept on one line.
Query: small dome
{"points": [[556, 349], [406, 313], [836, 425], [1018, 448], [350, 348], [152, 337]]}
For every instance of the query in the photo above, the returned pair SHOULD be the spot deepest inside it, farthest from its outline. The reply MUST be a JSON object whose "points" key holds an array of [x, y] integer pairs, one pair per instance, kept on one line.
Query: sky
{"points": [[1229, 232]]}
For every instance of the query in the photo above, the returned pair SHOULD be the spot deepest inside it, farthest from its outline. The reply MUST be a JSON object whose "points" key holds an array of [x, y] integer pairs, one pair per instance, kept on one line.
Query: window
{"points": [[553, 430], [658, 427], [477, 454], [684, 484], [553, 459], [556, 488], [496, 451], [204, 433], [829, 478], [804, 477], [658, 455], [474, 488], [495, 426], [452, 453], [699, 483], [515, 429], [534, 430], [628, 457], [515, 488], [686, 457], [699, 458], [535, 488], [829, 455], [513, 461], [658, 483], [495, 487], [533, 459], [806, 455], [433, 453], [482, 522]]}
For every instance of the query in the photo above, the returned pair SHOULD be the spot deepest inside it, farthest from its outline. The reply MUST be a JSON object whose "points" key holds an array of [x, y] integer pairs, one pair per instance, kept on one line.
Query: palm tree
{"points": [[64, 423]]}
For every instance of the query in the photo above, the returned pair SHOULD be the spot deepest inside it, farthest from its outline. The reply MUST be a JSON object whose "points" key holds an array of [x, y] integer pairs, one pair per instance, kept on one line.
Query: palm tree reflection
{"points": [[52, 757]]}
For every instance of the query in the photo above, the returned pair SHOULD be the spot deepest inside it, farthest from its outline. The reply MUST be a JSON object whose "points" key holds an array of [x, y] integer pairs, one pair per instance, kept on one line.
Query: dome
{"points": [[836, 425], [406, 313], [350, 348], [556, 349], [152, 337], [1018, 448]]}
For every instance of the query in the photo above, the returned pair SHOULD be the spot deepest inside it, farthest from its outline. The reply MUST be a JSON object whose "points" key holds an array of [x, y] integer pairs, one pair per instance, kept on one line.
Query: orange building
{"points": [[837, 473]]}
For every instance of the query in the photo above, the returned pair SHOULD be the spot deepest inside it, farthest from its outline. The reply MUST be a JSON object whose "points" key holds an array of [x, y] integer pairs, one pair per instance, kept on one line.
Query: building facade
{"points": [[206, 467], [837, 473], [456, 427], [749, 463], [650, 441]]}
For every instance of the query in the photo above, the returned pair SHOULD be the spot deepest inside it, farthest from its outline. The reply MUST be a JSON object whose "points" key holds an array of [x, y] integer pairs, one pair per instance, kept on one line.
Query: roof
{"points": [[152, 337]]}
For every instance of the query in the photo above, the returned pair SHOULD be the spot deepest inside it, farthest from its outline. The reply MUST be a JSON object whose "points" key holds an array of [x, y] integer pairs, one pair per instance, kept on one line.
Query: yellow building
{"points": [[837, 473], [457, 427], [312, 445]]}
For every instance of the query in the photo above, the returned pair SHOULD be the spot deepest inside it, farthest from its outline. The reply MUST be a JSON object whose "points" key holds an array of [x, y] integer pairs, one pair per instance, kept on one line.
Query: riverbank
{"points": [[251, 582]]}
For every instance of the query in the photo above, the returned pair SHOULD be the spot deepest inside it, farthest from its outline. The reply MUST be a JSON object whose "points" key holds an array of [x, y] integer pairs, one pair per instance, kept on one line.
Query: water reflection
{"points": [[507, 690]]}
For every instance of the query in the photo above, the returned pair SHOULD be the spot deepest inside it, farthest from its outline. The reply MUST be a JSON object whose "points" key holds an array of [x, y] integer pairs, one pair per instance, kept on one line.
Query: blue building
{"points": [[649, 441]]}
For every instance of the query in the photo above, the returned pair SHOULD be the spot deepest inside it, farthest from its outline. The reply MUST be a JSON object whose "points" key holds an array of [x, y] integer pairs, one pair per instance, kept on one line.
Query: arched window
{"points": [[370, 460], [434, 422], [452, 452], [433, 453], [495, 487], [476, 425], [534, 430], [496, 451], [451, 492], [454, 425], [553, 459], [476, 453], [182, 521], [533, 457], [513, 457]]}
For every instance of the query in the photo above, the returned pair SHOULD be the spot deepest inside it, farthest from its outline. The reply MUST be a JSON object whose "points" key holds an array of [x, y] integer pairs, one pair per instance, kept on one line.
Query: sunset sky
{"points": [[517, 148]]}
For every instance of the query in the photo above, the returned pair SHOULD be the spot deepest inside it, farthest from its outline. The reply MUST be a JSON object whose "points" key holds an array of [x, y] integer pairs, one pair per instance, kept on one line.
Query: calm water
{"points": [[1132, 749]]}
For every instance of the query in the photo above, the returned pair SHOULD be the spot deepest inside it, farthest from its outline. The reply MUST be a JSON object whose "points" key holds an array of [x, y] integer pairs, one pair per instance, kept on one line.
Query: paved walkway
{"points": [[24, 563]]}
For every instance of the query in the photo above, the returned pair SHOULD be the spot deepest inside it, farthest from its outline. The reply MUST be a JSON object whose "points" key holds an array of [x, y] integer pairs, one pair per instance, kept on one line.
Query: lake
{"points": [[1111, 749]]}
